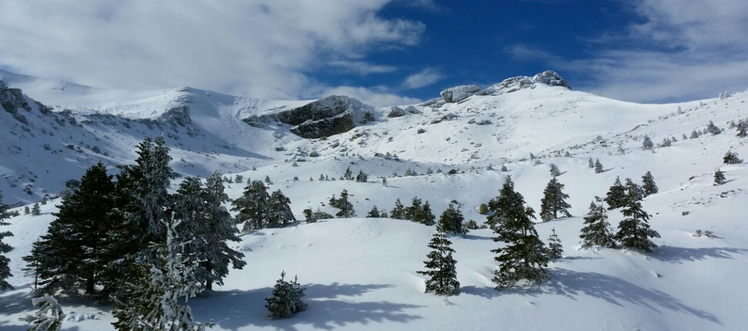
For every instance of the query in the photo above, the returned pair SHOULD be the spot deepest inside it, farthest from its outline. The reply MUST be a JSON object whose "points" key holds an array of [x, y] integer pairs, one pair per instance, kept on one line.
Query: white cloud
{"points": [[263, 48], [361, 68], [422, 78], [370, 96], [684, 50]]}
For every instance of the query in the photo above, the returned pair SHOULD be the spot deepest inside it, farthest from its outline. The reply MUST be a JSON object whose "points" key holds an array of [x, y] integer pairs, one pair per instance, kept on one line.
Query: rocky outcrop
{"points": [[550, 78], [326, 127], [459, 93], [509, 85], [396, 111], [11, 99], [322, 118], [178, 115]]}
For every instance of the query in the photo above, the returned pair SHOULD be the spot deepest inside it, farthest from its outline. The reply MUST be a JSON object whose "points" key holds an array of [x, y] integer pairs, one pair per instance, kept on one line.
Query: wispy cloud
{"points": [[361, 67], [685, 49], [422, 78], [263, 48]]}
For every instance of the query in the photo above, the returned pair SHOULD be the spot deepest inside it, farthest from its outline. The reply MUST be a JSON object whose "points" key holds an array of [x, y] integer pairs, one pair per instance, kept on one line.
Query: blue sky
{"points": [[382, 51]]}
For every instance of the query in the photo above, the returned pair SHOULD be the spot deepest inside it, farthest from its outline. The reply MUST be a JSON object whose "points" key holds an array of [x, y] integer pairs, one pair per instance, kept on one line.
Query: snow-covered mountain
{"points": [[360, 273]]}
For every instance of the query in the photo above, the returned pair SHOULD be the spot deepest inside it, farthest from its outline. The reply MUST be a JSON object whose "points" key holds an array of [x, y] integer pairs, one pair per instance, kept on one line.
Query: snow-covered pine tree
{"points": [[648, 184], [399, 211], [713, 129], [634, 231], [143, 198], [719, 177], [567, 154], [555, 172], [73, 255], [591, 163], [524, 256], [616, 196], [425, 216], [555, 249], [441, 267], [731, 158], [279, 211], [504, 168], [373, 213], [450, 222], [384, 181], [647, 144], [239, 179], [212, 237], [694, 134], [4, 247], [286, 299], [348, 174], [362, 177], [345, 206], [554, 201], [598, 166], [685, 137], [48, 317], [252, 206], [742, 126], [152, 300], [666, 142], [26, 210], [268, 181], [35, 211], [633, 191], [413, 209], [596, 232]]}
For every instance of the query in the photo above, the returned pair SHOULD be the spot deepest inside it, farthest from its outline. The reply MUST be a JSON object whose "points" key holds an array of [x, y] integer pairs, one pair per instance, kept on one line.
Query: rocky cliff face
{"points": [[322, 118]]}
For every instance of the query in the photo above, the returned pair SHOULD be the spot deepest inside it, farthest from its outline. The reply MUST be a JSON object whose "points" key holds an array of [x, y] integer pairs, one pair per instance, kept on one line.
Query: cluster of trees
{"points": [[418, 212], [128, 240], [258, 209], [362, 177]]}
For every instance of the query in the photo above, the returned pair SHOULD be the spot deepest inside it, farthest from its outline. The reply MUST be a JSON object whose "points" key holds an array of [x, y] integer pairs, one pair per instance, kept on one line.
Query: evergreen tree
{"points": [[210, 242], [555, 172], [685, 137], [440, 267], [384, 181], [412, 211], [279, 212], [309, 216], [742, 129], [239, 179], [450, 222], [719, 177], [616, 196], [48, 317], [731, 158], [26, 210], [348, 174], [713, 129], [503, 168], [591, 163], [555, 249], [694, 134], [268, 181], [373, 213], [598, 166], [252, 206], [152, 301], [4, 248], [524, 256], [73, 255], [634, 231], [35, 211], [399, 211], [286, 299], [554, 201], [596, 232], [633, 191], [647, 144], [649, 185], [362, 177], [345, 206]]}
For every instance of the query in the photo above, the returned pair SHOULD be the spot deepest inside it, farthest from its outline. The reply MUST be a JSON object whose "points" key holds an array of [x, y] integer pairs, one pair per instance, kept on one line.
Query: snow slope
{"points": [[360, 273]]}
